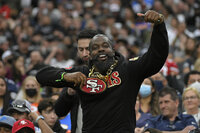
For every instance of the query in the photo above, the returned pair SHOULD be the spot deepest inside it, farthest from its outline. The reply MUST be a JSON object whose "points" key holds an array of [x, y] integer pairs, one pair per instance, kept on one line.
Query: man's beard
{"points": [[103, 66]]}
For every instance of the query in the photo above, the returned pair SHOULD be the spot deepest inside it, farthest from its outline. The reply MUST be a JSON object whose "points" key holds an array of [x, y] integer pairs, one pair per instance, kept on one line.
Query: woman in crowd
{"points": [[30, 90], [149, 97], [191, 102], [17, 71], [140, 117], [5, 98]]}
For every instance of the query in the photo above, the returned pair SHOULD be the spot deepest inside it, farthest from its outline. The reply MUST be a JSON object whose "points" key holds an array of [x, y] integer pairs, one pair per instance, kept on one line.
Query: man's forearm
{"points": [[44, 127]]}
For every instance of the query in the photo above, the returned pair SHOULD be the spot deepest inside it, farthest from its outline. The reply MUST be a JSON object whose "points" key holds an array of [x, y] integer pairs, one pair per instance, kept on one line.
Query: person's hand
{"points": [[139, 130], [54, 49], [77, 78], [33, 116], [71, 91], [152, 17], [188, 129]]}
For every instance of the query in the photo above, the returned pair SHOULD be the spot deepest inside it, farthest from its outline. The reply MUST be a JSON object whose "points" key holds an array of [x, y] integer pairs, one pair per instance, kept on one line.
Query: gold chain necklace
{"points": [[100, 76]]}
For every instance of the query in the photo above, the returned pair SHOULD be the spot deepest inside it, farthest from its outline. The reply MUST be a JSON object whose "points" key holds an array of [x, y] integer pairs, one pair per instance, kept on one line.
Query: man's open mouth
{"points": [[102, 57]]}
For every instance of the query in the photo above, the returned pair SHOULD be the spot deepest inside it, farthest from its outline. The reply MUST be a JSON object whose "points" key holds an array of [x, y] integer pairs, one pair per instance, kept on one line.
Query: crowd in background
{"points": [[36, 33]]}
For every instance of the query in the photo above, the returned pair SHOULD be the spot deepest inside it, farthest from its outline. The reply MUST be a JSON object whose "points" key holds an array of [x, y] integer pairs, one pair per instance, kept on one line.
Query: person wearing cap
{"points": [[23, 126], [23, 48], [21, 109], [6, 124], [192, 79]]}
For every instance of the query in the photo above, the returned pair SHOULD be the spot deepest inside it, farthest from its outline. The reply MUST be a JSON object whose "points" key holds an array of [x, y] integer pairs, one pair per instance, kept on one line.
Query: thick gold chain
{"points": [[100, 76]]}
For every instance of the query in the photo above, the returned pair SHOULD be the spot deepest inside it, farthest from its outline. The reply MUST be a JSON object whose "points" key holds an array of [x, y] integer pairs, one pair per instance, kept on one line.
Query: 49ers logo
{"points": [[94, 85]]}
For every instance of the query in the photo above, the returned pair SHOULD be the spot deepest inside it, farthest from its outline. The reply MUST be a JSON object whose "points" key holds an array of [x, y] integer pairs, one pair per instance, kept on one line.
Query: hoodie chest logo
{"points": [[94, 86]]}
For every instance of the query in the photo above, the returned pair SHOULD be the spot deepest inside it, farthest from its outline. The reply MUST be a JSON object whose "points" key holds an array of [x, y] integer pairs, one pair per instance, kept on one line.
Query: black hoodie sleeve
{"points": [[153, 60], [52, 76], [64, 103]]}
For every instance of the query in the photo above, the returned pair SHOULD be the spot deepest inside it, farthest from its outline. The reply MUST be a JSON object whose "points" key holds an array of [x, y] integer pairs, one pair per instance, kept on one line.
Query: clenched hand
{"points": [[152, 17], [77, 78]]}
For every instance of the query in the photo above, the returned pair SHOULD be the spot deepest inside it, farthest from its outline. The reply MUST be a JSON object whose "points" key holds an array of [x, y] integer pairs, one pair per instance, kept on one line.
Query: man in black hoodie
{"points": [[108, 87]]}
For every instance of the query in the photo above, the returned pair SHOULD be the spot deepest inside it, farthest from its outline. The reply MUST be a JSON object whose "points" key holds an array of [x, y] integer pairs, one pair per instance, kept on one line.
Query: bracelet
{"points": [[62, 77], [39, 117]]}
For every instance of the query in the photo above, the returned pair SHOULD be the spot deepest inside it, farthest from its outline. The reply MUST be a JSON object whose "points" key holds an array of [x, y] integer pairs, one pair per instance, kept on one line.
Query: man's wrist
{"points": [[38, 118], [61, 77]]}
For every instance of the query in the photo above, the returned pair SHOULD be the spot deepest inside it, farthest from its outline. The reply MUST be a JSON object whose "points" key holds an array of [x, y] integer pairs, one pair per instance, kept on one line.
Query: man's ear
{"points": [[177, 102]]}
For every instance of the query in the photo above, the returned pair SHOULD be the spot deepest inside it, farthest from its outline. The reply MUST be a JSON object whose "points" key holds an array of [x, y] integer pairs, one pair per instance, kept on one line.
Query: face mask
{"points": [[31, 92], [158, 85], [196, 85], [145, 90]]}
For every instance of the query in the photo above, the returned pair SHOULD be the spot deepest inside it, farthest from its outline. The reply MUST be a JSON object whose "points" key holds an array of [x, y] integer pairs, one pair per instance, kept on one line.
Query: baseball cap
{"points": [[23, 123], [7, 121], [20, 105]]}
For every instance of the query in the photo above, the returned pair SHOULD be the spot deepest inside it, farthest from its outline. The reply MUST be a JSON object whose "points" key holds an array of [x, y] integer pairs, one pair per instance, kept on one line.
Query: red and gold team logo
{"points": [[94, 86]]}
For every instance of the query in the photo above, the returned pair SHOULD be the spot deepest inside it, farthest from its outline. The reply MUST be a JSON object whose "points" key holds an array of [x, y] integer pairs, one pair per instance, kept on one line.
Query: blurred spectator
{"points": [[23, 48], [191, 102], [160, 81], [4, 45], [46, 109], [10, 83], [17, 70], [192, 79], [44, 27], [6, 124], [170, 119], [178, 44], [5, 96], [57, 58], [36, 63], [23, 126], [148, 98], [53, 12], [70, 46], [140, 117], [7, 58], [122, 47], [5, 9], [197, 61], [30, 90], [19, 109], [171, 72]]}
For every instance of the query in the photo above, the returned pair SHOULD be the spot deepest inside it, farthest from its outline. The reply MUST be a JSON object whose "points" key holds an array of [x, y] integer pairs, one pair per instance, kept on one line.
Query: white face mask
{"points": [[196, 85]]}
